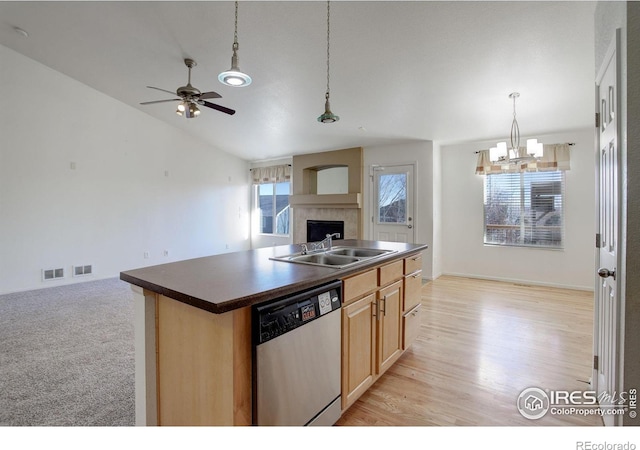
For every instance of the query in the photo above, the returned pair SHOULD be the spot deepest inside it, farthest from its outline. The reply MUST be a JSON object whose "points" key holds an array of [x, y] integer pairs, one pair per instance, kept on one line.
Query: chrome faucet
{"points": [[324, 244], [328, 242]]}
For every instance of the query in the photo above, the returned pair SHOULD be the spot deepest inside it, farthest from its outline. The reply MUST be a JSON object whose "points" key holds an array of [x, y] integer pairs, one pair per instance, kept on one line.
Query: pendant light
{"points": [[235, 77], [328, 116], [500, 153]]}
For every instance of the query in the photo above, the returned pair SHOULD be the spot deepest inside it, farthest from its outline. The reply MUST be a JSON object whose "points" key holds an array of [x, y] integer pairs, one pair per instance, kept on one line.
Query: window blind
{"points": [[524, 209]]}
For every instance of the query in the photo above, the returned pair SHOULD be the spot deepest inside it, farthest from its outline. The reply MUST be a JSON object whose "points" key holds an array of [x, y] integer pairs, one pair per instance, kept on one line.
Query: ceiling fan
{"points": [[191, 97]]}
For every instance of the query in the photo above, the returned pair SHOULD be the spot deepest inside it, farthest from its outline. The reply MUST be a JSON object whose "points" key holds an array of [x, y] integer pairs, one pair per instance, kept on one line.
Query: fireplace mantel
{"points": [[327, 200]]}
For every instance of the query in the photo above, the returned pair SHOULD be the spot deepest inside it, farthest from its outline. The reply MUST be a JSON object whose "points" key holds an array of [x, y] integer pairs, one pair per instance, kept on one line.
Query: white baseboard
{"points": [[519, 281]]}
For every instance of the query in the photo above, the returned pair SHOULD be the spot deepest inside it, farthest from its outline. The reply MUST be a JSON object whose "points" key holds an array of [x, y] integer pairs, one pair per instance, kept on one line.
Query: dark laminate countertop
{"points": [[225, 282]]}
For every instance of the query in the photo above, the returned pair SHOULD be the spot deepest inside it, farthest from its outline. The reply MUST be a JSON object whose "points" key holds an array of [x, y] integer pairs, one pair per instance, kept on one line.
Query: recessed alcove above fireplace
{"points": [[342, 201]]}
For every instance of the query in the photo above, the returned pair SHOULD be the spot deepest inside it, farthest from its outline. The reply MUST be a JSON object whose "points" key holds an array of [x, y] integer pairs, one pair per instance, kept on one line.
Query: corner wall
{"points": [[85, 179], [463, 250]]}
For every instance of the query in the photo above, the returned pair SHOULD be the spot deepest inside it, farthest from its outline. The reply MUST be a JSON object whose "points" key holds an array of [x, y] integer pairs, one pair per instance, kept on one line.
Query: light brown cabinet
{"points": [[412, 296], [372, 327], [389, 324], [411, 326], [358, 348], [412, 287]]}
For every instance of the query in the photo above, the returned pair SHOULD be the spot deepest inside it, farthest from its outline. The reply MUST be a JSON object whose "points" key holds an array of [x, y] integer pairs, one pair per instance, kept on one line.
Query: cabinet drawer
{"points": [[359, 285], [390, 272], [411, 324], [412, 290], [412, 263]]}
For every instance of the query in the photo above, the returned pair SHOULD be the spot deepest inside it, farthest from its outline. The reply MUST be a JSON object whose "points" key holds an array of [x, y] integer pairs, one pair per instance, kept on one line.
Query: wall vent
{"points": [[80, 271], [52, 274]]}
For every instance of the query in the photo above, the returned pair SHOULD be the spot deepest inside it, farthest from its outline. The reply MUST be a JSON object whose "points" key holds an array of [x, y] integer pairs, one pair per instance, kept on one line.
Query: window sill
{"points": [[534, 247]]}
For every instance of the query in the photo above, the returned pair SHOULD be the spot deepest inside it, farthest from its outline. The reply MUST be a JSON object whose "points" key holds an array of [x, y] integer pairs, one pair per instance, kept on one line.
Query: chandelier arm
{"points": [[515, 129], [515, 136]]}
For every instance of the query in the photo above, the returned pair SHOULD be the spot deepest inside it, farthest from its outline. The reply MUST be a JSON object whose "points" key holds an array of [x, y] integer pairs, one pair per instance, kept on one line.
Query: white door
{"points": [[393, 208], [607, 292]]}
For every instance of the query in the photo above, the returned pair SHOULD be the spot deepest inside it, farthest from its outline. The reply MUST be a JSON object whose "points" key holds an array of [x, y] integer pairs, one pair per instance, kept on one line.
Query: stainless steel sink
{"points": [[326, 259], [337, 257], [358, 252]]}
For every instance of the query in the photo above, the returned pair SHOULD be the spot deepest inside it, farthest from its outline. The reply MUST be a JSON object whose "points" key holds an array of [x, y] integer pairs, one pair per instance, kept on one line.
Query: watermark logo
{"points": [[534, 403]]}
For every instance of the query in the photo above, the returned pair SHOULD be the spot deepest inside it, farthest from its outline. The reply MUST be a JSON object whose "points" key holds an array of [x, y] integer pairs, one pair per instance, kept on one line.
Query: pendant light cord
{"points": [[235, 32], [328, 40]]}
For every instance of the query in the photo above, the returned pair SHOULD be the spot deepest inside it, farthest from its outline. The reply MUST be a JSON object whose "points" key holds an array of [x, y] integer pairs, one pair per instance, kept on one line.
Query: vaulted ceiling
{"points": [[400, 71]]}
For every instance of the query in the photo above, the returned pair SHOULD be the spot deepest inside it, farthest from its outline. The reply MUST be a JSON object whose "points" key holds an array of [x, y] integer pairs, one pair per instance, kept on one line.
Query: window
{"points": [[524, 209], [272, 200], [392, 198]]}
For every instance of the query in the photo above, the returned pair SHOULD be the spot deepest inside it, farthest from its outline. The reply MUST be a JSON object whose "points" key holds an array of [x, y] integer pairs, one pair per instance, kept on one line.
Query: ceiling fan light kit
{"points": [[190, 97], [503, 155], [234, 76]]}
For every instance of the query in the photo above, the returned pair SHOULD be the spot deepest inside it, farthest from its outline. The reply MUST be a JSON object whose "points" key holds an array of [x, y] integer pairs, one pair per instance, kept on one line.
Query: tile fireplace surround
{"points": [[349, 216]]}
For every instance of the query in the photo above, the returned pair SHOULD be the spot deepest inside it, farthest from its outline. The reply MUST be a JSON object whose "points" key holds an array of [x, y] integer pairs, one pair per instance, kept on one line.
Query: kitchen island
{"points": [[193, 325]]}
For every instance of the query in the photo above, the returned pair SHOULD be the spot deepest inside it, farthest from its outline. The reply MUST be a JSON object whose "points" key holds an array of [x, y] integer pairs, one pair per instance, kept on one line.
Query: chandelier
{"points": [[501, 154]]}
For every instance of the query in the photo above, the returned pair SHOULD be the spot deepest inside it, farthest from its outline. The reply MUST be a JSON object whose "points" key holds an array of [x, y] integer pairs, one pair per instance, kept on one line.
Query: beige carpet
{"points": [[67, 356]]}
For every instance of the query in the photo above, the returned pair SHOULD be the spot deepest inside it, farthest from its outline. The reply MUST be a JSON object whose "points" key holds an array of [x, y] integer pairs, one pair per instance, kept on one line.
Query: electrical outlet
{"points": [[146, 255], [166, 253]]}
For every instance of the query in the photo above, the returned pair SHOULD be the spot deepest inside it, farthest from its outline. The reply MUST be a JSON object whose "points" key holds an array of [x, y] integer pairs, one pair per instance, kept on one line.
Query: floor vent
{"points": [[80, 271], [52, 274]]}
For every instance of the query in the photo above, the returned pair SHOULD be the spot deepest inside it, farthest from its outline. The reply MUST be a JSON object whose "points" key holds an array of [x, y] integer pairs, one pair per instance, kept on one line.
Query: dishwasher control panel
{"points": [[286, 314]]}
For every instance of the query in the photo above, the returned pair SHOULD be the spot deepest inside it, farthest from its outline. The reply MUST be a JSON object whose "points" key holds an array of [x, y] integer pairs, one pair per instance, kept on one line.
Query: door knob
{"points": [[409, 226], [604, 273]]}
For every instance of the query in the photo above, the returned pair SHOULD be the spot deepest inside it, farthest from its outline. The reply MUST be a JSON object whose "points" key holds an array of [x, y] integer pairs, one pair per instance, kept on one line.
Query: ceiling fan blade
{"points": [[211, 94], [218, 107], [163, 90], [161, 101]]}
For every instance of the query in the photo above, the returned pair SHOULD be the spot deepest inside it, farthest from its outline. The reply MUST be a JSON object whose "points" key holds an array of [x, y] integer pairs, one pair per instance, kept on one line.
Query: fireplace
{"points": [[317, 230]]}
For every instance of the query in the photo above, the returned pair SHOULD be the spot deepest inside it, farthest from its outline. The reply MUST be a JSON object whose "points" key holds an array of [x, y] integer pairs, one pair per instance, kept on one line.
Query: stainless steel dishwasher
{"points": [[297, 358]]}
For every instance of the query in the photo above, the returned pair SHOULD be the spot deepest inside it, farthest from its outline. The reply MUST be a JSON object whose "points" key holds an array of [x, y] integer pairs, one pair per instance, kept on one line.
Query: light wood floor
{"points": [[480, 344]]}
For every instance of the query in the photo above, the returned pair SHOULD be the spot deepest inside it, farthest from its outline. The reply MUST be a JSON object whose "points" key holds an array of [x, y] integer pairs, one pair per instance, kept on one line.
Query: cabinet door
{"points": [[412, 290], [389, 320], [358, 348], [411, 325]]}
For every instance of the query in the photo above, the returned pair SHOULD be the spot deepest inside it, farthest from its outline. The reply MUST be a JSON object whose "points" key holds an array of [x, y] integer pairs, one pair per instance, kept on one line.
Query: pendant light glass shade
{"points": [[328, 116], [234, 76]]}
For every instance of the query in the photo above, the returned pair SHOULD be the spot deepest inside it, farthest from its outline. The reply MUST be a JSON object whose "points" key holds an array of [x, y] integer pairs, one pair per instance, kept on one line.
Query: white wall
{"points": [[420, 153], [138, 185], [463, 251], [437, 252]]}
